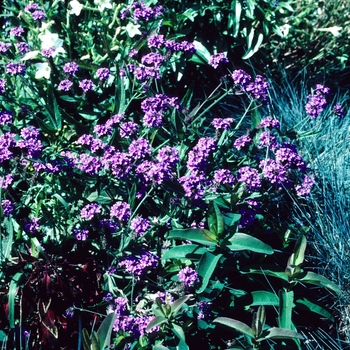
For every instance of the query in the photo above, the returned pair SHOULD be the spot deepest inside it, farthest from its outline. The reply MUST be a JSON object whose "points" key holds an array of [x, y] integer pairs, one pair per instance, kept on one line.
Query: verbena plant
{"points": [[135, 217]]}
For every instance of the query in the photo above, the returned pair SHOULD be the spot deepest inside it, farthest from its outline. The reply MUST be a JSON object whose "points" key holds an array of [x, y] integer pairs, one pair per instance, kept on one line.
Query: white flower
{"points": [[76, 7], [43, 70], [133, 29], [334, 30], [103, 4], [49, 40]]}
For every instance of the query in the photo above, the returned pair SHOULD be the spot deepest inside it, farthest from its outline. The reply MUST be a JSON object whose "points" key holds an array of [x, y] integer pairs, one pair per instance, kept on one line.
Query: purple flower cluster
{"points": [[168, 155], [140, 148], [107, 128], [270, 123], [128, 129], [304, 189], [31, 142], [31, 225], [287, 155], [38, 15], [31, 7], [6, 181], [4, 47], [140, 225], [337, 110], [81, 234], [155, 108], [152, 172], [22, 47], [257, 89], [5, 117], [250, 177], [65, 85], [188, 276], [121, 211], [118, 163], [70, 68], [140, 12], [153, 59], [16, 31], [224, 177], [274, 172], [90, 210], [103, 73], [86, 85], [197, 157], [267, 139], [242, 141], [7, 207], [15, 68], [158, 41], [194, 184], [139, 266], [6, 143], [216, 59], [2, 86], [48, 52], [222, 123], [317, 102]]}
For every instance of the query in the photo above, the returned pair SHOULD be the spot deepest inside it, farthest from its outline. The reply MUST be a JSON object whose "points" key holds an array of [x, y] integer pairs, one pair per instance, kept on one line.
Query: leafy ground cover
{"points": [[151, 190]]}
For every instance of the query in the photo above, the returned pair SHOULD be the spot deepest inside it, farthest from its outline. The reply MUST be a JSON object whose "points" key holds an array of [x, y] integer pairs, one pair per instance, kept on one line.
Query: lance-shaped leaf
{"points": [[215, 219], [242, 241], [308, 305], [105, 330], [279, 333], [179, 332], [259, 318], [201, 236], [297, 258], [286, 305], [235, 324], [14, 285], [262, 297], [186, 251], [157, 321], [206, 267], [177, 304], [318, 280]]}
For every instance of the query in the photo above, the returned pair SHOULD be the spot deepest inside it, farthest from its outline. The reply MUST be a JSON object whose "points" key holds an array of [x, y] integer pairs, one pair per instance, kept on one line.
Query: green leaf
{"points": [[177, 304], [262, 297], [235, 324], [86, 339], [236, 25], [318, 280], [7, 241], [157, 321], [286, 305], [182, 346], [307, 304], [202, 54], [159, 347], [68, 98], [231, 219], [95, 342], [215, 219], [201, 236], [280, 333], [297, 258], [259, 319], [89, 116], [105, 330], [206, 267], [14, 285], [3, 336], [186, 251], [267, 272], [252, 50], [178, 331], [242, 241]]}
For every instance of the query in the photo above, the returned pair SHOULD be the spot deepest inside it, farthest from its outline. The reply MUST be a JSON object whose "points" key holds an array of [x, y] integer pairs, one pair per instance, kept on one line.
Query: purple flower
{"points": [[288, 156], [133, 53], [86, 85], [48, 52], [242, 141], [168, 155], [204, 310], [70, 68], [17, 31], [240, 77], [22, 47], [197, 158], [216, 59], [274, 172], [154, 59], [81, 234], [259, 88], [103, 73], [250, 177], [270, 123], [156, 40], [140, 225], [2, 86], [337, 110], [188, 47], [89, 164], [109, 224], [154, 173], [247, 218], [103, 129], [31, 7], [144, 73], [188, 276], [224, 176], [321, 89], [222, 123], [5, 117], [143, 13], [6, 181], [90, 210], [31, 225], [121, 210], [15, 68], [139, 266], [38, 15], [194, 184], [4, 47], [316, 105], [30, 133], [139, 148], [128, 129], [65, 85], [118, 162], [267, 139], [173, 46], [304, 189], [7, 207]]}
